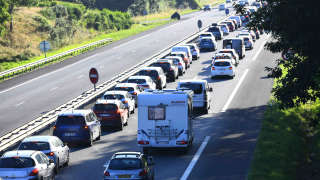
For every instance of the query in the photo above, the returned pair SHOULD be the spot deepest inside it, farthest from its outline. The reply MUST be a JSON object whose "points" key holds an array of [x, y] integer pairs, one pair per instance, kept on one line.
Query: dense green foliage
{"points": [[4, 15], [87, 3], [292, 24]]}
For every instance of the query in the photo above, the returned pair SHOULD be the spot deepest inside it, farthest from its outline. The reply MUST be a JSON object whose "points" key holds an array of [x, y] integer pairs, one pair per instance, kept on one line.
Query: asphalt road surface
{"points": [[27, 97], [231, 127]]}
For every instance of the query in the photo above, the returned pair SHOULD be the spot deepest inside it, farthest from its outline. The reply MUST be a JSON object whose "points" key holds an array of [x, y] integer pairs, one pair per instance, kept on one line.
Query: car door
{"points": [[92, 126], [63, 149], [49, 166], [57, 150], [42, 166]]}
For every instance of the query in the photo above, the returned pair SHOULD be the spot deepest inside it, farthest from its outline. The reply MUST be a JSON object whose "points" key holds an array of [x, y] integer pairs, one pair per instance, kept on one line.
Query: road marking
{"points": [[19, 104], [81, 76], [52, 89], [260, 49], [45, 75], [195, 159], [225, 107]]}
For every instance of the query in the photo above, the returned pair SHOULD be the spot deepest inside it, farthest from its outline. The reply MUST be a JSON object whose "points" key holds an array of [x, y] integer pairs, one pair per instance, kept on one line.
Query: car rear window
{"points": [[151, 73], [105, 107], [113, 96], [37, 146], [205, 41], [164, 65], [222, 63], [16, 162], [124, 89], [195, 87], [125, 164], [214, 29], [70, 120], [138, 81]]}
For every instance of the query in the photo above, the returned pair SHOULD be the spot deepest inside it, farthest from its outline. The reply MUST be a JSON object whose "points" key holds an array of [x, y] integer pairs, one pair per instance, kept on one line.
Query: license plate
{"points": [[105, 115], [69, 134], [124, 176]]}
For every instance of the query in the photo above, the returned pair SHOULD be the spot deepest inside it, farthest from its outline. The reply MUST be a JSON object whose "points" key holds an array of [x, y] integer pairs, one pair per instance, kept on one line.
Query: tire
{"points": [[121, 125], [67, 162], [53, 177], [89, 142], [205, 108], [145, 150], [57, 168], [99, 137], [132, 112], [126, 124]]}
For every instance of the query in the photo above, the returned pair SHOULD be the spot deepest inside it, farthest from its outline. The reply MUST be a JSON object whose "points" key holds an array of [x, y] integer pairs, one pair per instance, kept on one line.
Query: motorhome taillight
{"points": [[143, 142]]}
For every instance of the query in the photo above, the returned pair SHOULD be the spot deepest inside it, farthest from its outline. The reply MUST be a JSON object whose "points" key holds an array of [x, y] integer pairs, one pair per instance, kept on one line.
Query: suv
{"points": [[123, 96], [184, 57], [144, 82], [52, 146], [157, 75], [111, 113], [26, 165], [216, 31], [178, 62], [207, 43], [77, 126], [194, 50], [129, 165], [132, 88], [168, 67]]}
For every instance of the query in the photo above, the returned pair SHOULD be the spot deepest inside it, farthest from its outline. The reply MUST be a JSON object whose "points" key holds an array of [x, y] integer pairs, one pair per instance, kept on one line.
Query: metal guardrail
{"points": [[14, 137], [14, 71]]}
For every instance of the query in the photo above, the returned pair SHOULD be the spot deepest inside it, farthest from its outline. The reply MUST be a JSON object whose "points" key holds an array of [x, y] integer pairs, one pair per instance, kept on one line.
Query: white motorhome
{"points": [[164, 119]]}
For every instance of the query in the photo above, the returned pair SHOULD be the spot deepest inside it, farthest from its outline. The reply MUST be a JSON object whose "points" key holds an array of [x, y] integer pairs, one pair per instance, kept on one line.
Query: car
{"points": [[132, 88], [230, 25], [208, 43], [228, 1], [216, 31], [26, 165], [227, 56], [202, 93], [248, 42], [170, 70], [235, 23], [248, 32], [194, 50], [124, 96], [157, 75], [177, 61], [129, 165], [111, 113], [206, 34], [222, 67], [51, 146], [257, 4], [238, 19], [252, 9], [186, 49], [144, 82], [222, 7], [77, 126], [207, 7], [184, 57], [232, 52], [225, 29], [257, 33], [235, 43]]}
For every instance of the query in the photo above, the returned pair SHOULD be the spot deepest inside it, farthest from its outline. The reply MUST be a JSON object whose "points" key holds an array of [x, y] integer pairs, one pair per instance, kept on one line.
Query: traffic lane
{"points": [[229, 153], [72, 79]]}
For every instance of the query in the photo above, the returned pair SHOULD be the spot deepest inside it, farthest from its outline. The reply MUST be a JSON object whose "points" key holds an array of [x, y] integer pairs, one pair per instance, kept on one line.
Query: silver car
{"points": [[52, 146], [129, 165], [26, 165]]}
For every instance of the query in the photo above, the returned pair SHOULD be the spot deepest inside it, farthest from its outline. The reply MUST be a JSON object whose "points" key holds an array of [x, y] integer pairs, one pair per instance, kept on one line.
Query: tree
{"points": [[293, 25], [4, 16]]}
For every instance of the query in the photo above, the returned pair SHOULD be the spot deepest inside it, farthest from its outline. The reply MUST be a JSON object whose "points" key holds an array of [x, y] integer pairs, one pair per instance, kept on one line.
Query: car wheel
{"points": [[56, 169], [53, 177], [126, 124], [67, 162], [132, 110], [121, 125], [99, 137], [205, 108], [89, 143]]}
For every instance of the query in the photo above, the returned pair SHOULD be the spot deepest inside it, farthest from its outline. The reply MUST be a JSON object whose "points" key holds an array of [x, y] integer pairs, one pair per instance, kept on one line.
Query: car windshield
{"points": [[164, 65], [129, 89], [153, 74], [105, 107], [222, 63], [125, 164], [70, 120], [38, 146], [195, 87], [113, 96], [16, 162], [137, 81]]}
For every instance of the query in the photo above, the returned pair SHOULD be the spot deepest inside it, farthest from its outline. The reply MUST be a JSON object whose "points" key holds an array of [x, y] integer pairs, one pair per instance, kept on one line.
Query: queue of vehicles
{"points": [[41, 157]]}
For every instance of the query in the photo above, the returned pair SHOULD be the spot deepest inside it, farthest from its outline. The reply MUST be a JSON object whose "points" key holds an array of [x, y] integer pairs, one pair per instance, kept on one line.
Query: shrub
{"points": [[43, 25]]}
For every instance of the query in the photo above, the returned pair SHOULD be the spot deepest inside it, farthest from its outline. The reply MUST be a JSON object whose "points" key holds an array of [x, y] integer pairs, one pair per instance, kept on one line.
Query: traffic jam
{"points": [[164, 115]]}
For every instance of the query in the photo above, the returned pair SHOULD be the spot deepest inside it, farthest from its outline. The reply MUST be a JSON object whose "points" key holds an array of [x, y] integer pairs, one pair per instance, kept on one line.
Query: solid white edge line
{"points": [[260, 49], [195, 159], [225, 107]]}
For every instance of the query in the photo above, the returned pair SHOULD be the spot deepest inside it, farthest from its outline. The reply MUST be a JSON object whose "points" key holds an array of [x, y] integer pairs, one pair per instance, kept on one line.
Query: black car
{"points": [[167, 69], [154, 74], [216, 31]]}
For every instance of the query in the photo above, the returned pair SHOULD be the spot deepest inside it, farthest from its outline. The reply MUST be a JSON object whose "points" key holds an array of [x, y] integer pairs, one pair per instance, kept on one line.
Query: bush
{"points": [[43, 24]]}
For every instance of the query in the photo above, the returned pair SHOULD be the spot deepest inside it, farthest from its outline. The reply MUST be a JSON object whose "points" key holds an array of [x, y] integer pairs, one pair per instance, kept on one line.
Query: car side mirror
{"points": [[150, 160], [210, 89]]}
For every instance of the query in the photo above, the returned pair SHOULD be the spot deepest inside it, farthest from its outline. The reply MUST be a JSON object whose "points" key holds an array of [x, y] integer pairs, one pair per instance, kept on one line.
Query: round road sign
{"points": [[199, 24], [93, 75]]}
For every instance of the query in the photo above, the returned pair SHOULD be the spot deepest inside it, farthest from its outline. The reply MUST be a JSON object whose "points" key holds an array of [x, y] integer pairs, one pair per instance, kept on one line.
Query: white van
{"points": [[164, 119], [202, 93], [184, 49]]}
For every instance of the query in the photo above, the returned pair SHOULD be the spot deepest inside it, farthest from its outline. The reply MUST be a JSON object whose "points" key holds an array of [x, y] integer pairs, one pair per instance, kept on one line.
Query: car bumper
{"points": [[222, 73], [114, 122]]}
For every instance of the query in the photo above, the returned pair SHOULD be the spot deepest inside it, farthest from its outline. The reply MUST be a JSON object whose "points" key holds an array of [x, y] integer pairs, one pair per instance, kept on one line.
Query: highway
{"points": [[27, 97], [232, 127]]}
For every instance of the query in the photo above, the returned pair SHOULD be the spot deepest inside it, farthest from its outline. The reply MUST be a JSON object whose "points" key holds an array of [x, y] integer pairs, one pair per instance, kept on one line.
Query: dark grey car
{"points": [[129, 165]]}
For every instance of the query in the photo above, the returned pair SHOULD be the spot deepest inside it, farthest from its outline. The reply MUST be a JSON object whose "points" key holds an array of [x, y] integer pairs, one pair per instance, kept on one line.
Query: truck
{"points": [[164, 120], [237, 44]]}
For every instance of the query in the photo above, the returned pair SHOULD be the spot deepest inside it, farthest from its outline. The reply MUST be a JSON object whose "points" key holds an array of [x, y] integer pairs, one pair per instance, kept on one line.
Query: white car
{"points": [[132, 88], [144, 82], [51, 146], [123, 96], [194, 50], [206, 34], [222, 67], [232, 52], [222, 7], [219, 56], [248, 42], [178, 61]]}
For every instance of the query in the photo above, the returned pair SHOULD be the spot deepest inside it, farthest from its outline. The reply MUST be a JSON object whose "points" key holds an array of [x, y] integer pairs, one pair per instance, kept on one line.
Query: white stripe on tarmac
{"points": [[260, 49], [225, 107], [195, 159]]}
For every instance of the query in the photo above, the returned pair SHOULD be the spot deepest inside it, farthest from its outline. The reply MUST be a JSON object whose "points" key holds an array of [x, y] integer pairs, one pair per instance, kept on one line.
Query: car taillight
{"points": [[143, 142], [134, 93], [230, 68], [186, 59], [118, 111], [51, 154], [125, 102], [143, 172], [106, 173], [213, 68], [54, 127], [85, 127], [181, 142], [34, 172], [179, 64]]}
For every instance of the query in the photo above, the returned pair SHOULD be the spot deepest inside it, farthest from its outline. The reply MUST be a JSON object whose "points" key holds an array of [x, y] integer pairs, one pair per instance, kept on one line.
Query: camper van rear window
{"points": [[156, 113]]}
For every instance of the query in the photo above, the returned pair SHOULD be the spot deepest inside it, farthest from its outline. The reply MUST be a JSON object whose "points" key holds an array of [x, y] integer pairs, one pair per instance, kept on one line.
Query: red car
{"points": [[112, 113]]}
